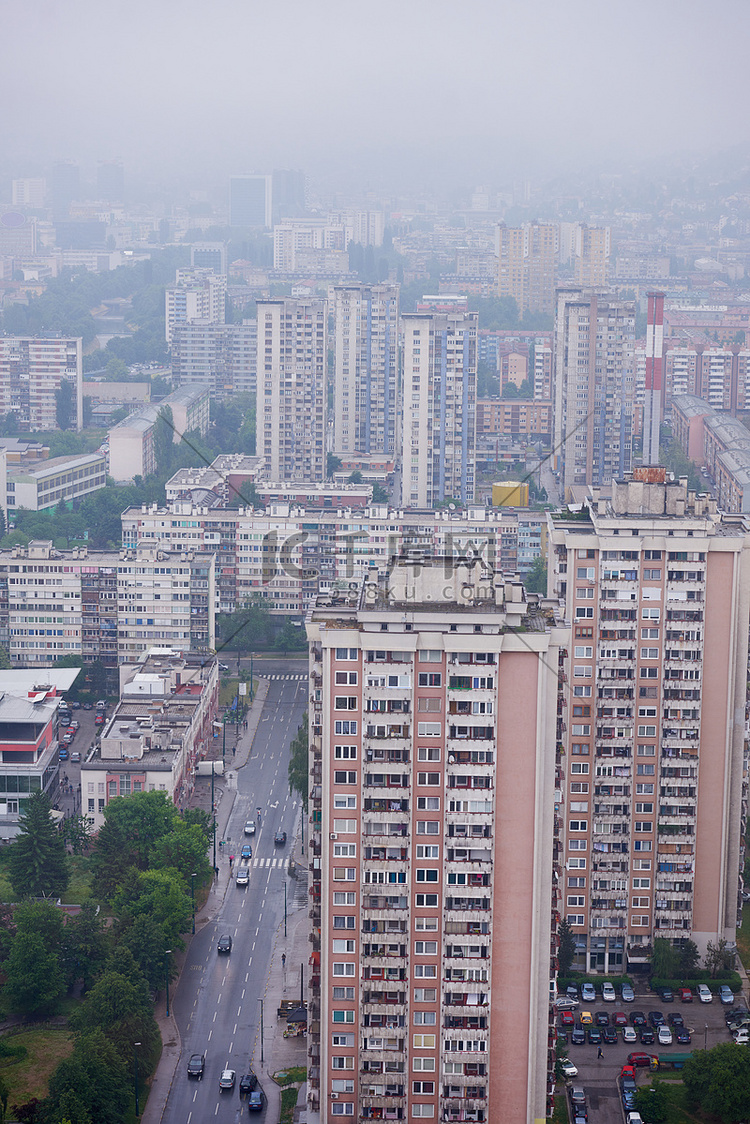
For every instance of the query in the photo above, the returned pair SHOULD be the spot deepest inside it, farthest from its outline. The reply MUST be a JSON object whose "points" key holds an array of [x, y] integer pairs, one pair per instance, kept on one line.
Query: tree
{"points": [[536, 578], [143, 937], [664, 960], [87, 941], [355, 478], [718, 958], [290, 638], [298, 769], [184, 849], [653, 1101], [142, 819], [333, 464], [5, 660], [97, 1076], [566, 952], [34, 979], [689, 959], [65, 405], [162, 895], [718, 1081], [117, 371], [38, 865], [379, 494]]}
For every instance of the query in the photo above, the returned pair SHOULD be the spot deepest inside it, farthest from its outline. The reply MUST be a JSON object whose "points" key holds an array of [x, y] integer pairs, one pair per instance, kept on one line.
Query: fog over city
{"points": [[420, 93]]}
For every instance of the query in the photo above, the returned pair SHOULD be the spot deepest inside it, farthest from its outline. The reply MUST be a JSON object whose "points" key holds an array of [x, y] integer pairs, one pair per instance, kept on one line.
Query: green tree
{"points": [[379, 494], [184, 848], [143, 936], [355, 478], [290, 638], [87, 942], [536, 578], [65, 409], [653, 1103], [96, 1074], [37, 865], [117, 371], [566, 952], [689, 959], [298, 768], [162, 894], [5, 660], [34, 979], [718, 958], [664, 960], [333, 464], [718, 1082], [43, 918], [143, 818]]}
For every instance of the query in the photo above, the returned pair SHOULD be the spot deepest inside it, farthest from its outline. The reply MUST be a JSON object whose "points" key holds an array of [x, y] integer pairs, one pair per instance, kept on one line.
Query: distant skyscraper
{"points": [[591, 256], [251, 201], [291, 400], [110, 181], [29, 193], [527, 265], [365, 380], [654, 377], [594, 385], [438, 428], [198, 294]]}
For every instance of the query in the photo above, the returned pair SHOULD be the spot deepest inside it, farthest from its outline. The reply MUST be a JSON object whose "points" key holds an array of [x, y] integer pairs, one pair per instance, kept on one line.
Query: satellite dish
{"points": [[451, 507]]}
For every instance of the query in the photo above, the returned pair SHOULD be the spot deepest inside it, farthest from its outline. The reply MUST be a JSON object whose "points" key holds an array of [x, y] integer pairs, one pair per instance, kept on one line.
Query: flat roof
{"points": [[19, 682]]}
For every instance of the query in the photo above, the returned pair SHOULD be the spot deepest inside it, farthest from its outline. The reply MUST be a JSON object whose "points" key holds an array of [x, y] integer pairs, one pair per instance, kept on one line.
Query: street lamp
{"points": [[135, 1055], [705, 1037], [192, 898], [167, 954]]}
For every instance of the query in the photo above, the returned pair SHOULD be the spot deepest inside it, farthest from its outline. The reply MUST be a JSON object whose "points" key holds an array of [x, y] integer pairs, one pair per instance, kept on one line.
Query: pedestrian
{"points": [[234, 750], [231, 860], [283, 960], [599, 1053]]}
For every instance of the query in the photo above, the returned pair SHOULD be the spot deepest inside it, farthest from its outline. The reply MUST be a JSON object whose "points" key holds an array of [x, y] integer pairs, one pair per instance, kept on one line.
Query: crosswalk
{"points": [[296, 678], [276, 864]]}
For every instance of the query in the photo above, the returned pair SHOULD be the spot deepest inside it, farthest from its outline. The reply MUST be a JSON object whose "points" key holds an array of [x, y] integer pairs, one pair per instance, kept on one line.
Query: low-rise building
{"points": [[41, 485], [131, 442]]}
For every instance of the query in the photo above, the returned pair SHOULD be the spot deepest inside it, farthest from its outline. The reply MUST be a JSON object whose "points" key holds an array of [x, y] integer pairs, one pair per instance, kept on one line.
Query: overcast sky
{"points": [[481, 88]]}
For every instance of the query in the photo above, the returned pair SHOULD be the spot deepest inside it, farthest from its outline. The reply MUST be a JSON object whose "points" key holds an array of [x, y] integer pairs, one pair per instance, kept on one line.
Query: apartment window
{"points": [[427, 900], [579, 766], [582, 691], [344, 850], [340, 776], [586, 593], [425, 971], [584, 611], [426, 874], [428, 655], [642, 884], [425, 995], [346, 728], [341, 801], [652, 575], [582, 749], [577, 864], [642, 845], [580, 671], [423, 1065], [345, 752], [583, 652], [649, 634], [430, 679], [342, 1108], [580, 730], [346, 679], [428, 827], [646, 750], [340, 968], [641, 864], [349, 898], [652, 555], [428, 730], [342, 1062], [644, 825], [347, 653], [638, 920], [577, 845], [343, 1016], [579, 806], [345, 702], [644, 789], [647, 712], [588, 573], [427, 753], [650, 614], [646, 732], [423, 1041], [427, 705], [428, 803], [422, 1111], [575, 918], [427, 779], [581, 787], [649, 653], [578, 825], [344, 921], [342, 1039], [425, 948], [426, 924], [423, 1087], [425, 1018], [344, 946], [649, 672], [344, 874], [644, 808]]}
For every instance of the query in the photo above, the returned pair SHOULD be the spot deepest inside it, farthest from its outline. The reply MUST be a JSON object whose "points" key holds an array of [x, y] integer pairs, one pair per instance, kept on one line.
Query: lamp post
{"points": [[192, 898], [135, 1056], [167, 953], [705, 1037], [261, 1031], [285, 908]]}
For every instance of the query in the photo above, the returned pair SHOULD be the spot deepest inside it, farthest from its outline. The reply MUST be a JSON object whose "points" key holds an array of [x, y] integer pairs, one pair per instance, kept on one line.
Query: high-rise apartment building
{"points": [[432, 820], [365, 368], [28, 193], [291, 410], [657, 588], [251, 201], [221, 357], [591, 252], [438, 425], [197, 294], [594, 385], [32, 372], [527, 265]]}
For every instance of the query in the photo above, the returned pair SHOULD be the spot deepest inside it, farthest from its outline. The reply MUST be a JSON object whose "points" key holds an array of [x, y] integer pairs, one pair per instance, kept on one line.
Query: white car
{"points": [[634, 1118], [742, 1036], [250, 827], [569, 1070], [608, 993], [704, 993], [629, 1034], [664, 1036]]}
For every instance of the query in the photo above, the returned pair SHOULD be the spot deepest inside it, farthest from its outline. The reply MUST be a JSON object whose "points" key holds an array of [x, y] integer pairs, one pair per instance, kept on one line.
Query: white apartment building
{"points": [[291, 402], [438, 425], [221, 357], [432, 832], [365, 368], [32, 371], [197, 294], [657, 588]]}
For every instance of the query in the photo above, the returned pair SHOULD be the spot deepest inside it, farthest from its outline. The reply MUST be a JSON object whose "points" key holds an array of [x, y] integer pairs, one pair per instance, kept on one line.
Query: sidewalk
{"points": [[278, 1051]]}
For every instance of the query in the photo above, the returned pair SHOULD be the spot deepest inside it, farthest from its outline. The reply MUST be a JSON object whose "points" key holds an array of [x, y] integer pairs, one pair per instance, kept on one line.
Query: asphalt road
{"points": [[216, 1003]]}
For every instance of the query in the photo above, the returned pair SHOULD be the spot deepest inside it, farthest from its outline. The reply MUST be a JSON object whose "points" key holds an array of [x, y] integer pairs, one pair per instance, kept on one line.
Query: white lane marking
{"points": [[215, 1014]]}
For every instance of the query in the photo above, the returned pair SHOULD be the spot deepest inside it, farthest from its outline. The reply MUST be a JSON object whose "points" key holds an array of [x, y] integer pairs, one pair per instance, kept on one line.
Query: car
{"points": [[639, 1060], [664, 1035], [577, 1094], [610, 1036], [279, 839], [250, 827], [726, 995], [561, 1036], [578, 1035], [627, 993], [685, 995], [682, 1035], [601, 1018], [738, 1022], [628, 1101], [594, 1036], [223, 667], [70, 732], [587, 1018], [196, 1066], [226, 1081], [99, 720], [637, 1018], [566, 1065], [619, 1018], [655, 1019], [567, 1018], [572, 991], [634, 1118], [647, 1036], [76, 705], [75, 757], [578, 1119], [742, 1036], [243, 876], [735, 1013], [246, 853], [88, 706], [224, 943], [627, 1079], [63, 753], [704, 993], [608, 993], [75, 725], [101, 703], [564, 1003], [665, 994], [675, 1019], [255, 1101], [629, 1034], [588, 993], [248, 1081]]}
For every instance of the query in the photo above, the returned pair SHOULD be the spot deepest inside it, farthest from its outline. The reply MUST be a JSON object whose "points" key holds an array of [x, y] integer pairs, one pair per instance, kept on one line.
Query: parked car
{"points": [[568, 1069], [577, 1035], [75, 757], [226, 1081], [665, 994], [248, 1081], [223, 667], [255, 1101], [608, 993], [587, 1018], [196, 1066], [76, 705], [279, 839], [629, 1034], [704, 993], [594, 1036], [726, 995], [63, 754], [634, 1118], [88, 706], [620, 1018], [588, 993], [572, 991], [656, 1018], [647, 1036], [610, 1036], [664, 1035], [567, 1018], [564, 1003], [561, 1036], [685, 995], [601, 1018], [250, 827], [682, 1035], [627, 993], [675, 1019], [640, 1060], [738, 1022], [577, 1095], [742, 1036], [637, 1018], [224, 943]]}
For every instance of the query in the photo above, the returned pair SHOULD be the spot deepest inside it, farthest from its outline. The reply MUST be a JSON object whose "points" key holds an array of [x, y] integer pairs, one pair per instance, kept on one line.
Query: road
{"points": [[216, 1003]]}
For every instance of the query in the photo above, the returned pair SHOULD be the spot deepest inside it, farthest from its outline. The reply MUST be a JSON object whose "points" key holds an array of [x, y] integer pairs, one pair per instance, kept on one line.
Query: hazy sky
{"points": [[480, 88]]}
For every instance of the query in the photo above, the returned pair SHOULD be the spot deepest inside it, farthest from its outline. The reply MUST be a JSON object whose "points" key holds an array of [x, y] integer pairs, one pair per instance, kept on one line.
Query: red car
{"points": [[620, 1018], [685, 994], [567, 1018], [641, 1059]]}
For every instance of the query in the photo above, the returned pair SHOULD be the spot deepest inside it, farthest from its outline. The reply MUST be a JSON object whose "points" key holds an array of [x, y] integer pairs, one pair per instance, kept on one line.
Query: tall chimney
{"points": [[654, 372]]}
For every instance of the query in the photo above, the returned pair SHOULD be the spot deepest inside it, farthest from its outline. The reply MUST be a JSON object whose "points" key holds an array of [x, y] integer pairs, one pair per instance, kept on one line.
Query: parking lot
{"points": [[599, 1075]]}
